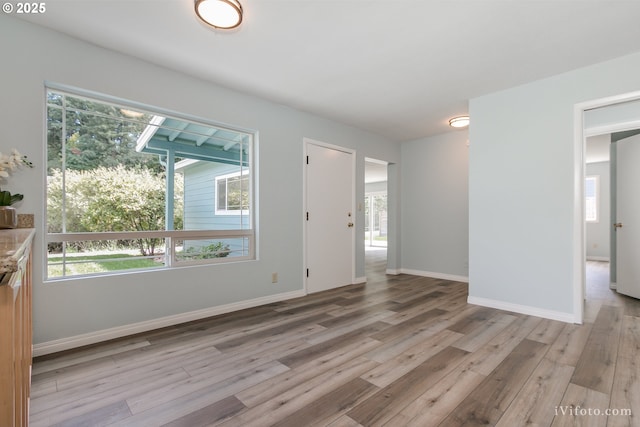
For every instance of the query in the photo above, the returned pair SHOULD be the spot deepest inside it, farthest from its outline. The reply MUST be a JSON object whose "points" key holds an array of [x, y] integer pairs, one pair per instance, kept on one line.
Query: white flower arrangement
{"points": [[9, 163]]}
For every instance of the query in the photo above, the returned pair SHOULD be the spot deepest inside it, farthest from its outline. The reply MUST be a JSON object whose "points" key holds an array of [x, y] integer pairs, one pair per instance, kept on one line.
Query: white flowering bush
{"points": [[9, 163]]}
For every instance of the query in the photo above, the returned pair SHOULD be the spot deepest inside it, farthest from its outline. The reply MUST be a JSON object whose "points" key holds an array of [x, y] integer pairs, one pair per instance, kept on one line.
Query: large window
{"points": [[135, 189], [591, 198]]}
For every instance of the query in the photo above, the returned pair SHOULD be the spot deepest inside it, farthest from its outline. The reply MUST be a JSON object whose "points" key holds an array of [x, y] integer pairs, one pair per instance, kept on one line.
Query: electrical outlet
{"points": [[274, 277]]}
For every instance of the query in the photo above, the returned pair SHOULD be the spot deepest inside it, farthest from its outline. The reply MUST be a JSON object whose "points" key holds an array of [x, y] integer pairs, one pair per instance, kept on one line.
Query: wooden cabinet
{"points": [[15, 327]]}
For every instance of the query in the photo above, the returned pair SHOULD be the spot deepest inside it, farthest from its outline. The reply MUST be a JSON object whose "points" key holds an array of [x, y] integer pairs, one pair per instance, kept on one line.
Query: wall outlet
{"points": [[274, 277]]}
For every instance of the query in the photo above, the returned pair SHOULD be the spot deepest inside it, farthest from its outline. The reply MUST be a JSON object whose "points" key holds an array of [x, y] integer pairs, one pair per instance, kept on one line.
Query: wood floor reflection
{"points": [[399, 351]]}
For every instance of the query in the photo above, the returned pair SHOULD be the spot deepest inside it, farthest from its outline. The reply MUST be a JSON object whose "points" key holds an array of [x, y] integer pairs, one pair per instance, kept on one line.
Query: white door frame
{"points": [[307, 142], [579, 224]]}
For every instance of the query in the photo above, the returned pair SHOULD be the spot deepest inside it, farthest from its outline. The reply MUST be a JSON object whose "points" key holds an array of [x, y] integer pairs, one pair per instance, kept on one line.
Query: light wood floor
{"points": [[398, 351]]}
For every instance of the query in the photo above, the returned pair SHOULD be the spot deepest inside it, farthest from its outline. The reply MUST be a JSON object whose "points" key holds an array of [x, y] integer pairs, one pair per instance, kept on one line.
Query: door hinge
{"points": [[307, 272], [307, 216], [307, 159]]}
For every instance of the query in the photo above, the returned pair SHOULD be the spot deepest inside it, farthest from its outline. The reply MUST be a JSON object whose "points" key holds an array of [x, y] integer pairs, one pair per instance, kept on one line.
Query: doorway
{"points": [[611, 188], [376, 228], [329, 217], [598, 219], [376, 216], [604, 116]]}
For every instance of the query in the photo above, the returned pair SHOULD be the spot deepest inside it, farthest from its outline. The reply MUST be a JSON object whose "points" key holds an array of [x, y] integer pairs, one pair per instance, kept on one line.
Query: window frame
{"points": [[596, 200], [226, 177], [171, 237]]}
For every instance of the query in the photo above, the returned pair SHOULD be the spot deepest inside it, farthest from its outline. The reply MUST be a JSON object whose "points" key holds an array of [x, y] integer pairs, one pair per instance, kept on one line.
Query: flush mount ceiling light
{"points": [[221, 14], [459, 122]]}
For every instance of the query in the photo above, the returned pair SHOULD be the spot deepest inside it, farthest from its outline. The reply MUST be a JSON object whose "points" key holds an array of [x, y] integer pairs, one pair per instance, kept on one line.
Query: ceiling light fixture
{"points": [[221, 14], [459, 122]]}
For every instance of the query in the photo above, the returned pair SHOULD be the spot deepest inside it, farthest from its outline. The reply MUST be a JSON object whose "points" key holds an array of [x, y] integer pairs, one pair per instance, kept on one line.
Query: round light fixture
{"points": [[459, 122], [221, 14]]}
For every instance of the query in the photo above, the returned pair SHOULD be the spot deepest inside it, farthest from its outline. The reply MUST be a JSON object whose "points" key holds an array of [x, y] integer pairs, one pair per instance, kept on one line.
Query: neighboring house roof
{"points": [[193, 141]]}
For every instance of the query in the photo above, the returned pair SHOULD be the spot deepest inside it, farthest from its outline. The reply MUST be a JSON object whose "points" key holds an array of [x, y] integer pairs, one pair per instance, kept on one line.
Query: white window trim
{"points": [[227, 176]]}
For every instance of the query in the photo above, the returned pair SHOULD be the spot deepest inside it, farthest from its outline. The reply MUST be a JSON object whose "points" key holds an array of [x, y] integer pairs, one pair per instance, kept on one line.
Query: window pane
{"points": [[590, 187], [104, 256], [116, 169], [192, 249], [222, 194], [245, 192], [54, 137], [591, 199], [234, 193]]}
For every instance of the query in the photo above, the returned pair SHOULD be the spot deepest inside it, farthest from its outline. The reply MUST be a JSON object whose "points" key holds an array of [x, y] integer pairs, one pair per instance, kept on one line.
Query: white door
{"points": [[329, 217], [628, 217]]}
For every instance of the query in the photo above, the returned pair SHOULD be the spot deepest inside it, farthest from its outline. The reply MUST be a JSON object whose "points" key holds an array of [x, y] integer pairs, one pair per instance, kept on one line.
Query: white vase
{"points": [[8, 217]]}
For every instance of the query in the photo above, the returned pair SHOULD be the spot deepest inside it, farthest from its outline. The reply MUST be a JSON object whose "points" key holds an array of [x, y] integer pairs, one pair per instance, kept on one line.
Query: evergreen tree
{"points": [[97, 135]]}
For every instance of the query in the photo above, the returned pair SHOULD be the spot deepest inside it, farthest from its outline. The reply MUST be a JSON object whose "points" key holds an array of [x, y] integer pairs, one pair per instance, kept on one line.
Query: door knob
{"points": [[350, 225], [617, 225]]}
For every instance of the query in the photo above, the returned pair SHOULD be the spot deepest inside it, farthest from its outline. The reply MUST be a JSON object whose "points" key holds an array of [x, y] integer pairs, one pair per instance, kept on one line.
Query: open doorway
{"points": [[376, 230], [607, 119], [598, 219], [611, 188]]}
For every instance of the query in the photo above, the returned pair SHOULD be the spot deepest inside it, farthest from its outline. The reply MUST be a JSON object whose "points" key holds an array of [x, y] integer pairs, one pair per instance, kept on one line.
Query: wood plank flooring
{"points": [[398, 351]]}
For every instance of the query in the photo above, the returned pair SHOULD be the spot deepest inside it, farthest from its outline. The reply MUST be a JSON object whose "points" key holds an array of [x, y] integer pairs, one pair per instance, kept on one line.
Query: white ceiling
{"points": [[399, 68]]}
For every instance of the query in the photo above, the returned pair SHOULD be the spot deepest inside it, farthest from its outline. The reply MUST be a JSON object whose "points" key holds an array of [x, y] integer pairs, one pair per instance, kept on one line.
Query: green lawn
{"points": [[102, 263]]}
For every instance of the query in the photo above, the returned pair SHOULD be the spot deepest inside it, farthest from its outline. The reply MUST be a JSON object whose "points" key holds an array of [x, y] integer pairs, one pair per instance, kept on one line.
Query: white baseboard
{"points": [[598, 258], [359, 280], [613, 286], [522, 309], [444, 276], [55, 346], [392, 271]]}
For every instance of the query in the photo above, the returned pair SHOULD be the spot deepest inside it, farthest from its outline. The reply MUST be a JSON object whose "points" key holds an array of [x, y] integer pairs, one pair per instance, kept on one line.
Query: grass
{"points": [[103, 263]]}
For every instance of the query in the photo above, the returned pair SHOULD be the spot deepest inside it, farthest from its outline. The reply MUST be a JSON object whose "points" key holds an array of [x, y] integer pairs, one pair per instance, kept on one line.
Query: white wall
{"points": [[598, 232], [375, 187], [435, 218], [521, 219], [66, 309]]}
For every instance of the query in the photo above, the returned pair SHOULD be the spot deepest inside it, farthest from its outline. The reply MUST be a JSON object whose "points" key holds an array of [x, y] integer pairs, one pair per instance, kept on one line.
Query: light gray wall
{"points": [[435, 204], [598, 232], [626, 112], [32, 55], [521, 220], [375, 187]]}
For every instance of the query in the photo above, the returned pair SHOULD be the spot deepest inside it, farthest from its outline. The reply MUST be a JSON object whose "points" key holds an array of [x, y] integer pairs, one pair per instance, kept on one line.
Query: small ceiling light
{"points": [[459, 122], [221, 14]]}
